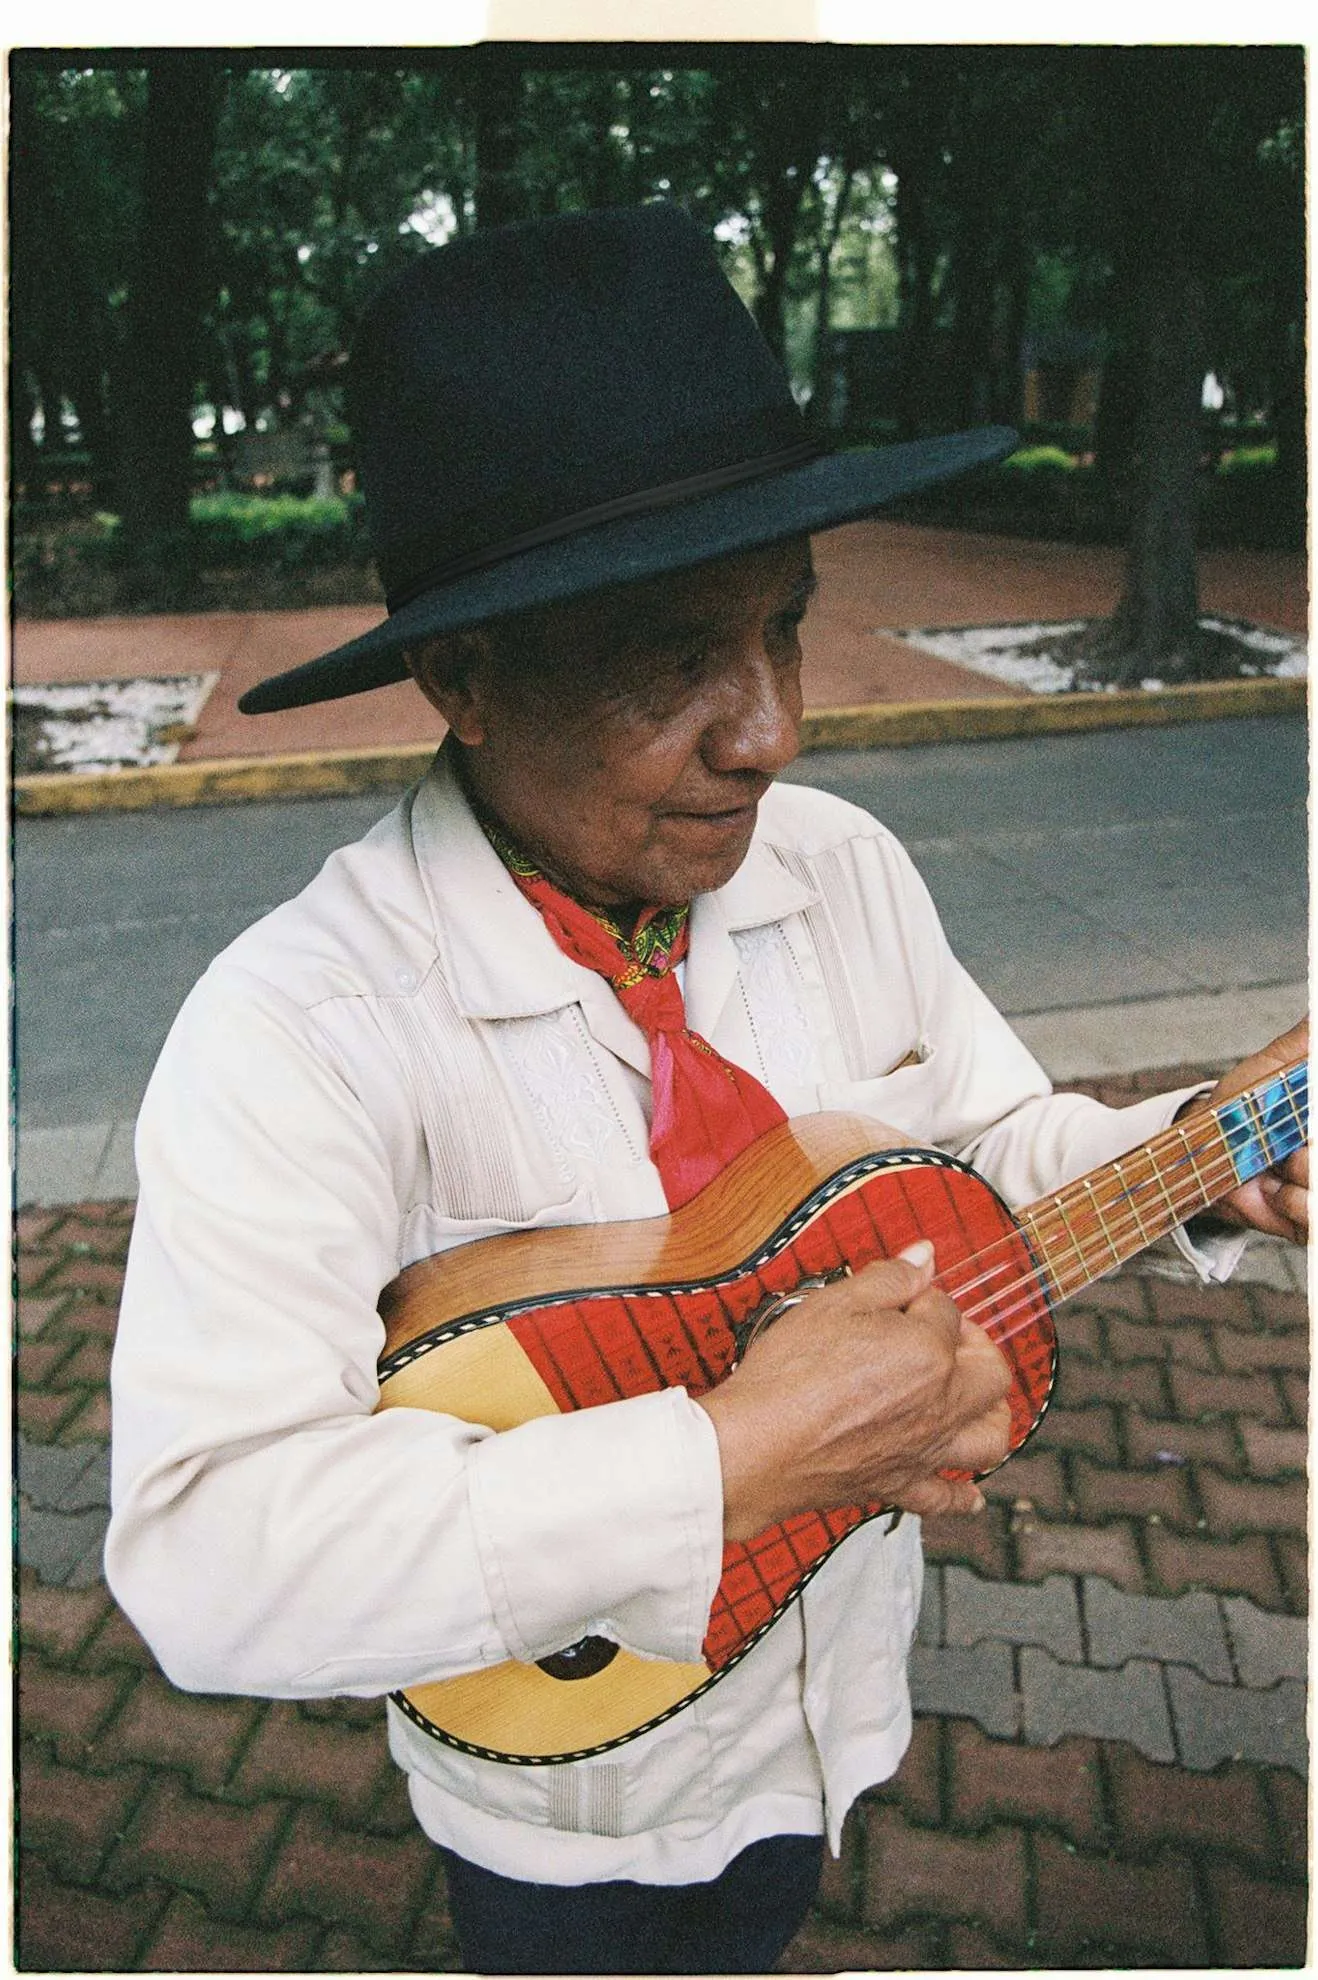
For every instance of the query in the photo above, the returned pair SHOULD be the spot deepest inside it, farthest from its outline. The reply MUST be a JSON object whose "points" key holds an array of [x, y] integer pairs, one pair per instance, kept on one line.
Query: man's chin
{"points": [[699, 858]]}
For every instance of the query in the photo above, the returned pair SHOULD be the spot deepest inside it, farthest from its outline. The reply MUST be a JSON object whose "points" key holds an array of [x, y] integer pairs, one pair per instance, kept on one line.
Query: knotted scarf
{"points": [[705, 1110]]}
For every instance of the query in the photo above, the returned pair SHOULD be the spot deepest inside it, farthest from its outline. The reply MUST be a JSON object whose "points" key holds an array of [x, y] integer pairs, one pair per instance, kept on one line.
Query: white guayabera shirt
{"points": [[402, 1060]]}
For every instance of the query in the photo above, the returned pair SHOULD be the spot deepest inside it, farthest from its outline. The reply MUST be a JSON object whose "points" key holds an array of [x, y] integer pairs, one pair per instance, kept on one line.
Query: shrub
{"points": [[1248, 460], [291, 531], [1039, 460]]}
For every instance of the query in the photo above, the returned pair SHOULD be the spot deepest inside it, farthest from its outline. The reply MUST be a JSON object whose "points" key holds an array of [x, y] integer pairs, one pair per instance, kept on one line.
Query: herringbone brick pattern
{"points": [[162, 1832]]}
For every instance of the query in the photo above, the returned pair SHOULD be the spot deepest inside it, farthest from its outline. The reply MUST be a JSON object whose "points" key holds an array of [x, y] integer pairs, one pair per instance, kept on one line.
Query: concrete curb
{"points": [[880, 725]]}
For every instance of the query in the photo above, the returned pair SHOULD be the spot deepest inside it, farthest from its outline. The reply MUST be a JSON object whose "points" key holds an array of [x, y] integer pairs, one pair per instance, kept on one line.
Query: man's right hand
{"points": [[863, 1394]]}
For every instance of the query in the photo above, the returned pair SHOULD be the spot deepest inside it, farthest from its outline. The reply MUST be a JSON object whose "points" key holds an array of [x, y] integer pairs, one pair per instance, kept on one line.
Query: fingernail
{"points": [[918, 1253], [1270, 1185]]}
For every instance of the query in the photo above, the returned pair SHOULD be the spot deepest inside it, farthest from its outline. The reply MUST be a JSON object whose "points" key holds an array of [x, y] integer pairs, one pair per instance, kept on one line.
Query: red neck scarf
{"points": [[705, 1110]]}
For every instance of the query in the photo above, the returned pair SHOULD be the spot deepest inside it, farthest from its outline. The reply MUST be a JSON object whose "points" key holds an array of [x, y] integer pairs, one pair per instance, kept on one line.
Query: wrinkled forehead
{"points": [[707, 603]]}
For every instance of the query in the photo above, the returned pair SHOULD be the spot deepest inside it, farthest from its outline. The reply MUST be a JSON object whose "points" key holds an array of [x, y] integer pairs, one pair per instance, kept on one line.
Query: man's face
{"points": [[630, 758]]}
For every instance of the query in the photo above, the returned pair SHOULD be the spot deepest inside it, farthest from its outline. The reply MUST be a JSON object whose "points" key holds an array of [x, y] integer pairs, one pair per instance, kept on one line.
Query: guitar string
{"points": [[1031, 1282], [1207, 1177], [1208, 1182], [999, 1331]]}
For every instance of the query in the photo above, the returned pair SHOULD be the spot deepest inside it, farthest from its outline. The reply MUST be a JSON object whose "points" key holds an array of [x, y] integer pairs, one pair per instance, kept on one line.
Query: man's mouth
{"points": [[727, 814]]}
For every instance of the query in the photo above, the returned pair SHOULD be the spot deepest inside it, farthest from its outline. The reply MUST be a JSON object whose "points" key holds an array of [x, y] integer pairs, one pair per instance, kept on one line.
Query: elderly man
{"points": [[585, 965]]}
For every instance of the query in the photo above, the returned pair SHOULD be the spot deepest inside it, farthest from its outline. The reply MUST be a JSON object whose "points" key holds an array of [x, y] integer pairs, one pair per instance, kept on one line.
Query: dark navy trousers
{"points": [[739, 1923]]}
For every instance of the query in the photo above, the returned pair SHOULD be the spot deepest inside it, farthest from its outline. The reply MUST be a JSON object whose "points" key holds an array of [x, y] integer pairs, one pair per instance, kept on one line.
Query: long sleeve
{"points": [[270, 1532]]}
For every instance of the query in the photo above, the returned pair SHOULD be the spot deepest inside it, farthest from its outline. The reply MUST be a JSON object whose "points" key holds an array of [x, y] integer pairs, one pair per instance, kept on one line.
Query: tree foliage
{"points": [[960, 201]]}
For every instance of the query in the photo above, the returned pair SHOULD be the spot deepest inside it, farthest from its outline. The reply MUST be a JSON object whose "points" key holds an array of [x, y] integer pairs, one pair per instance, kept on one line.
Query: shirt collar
{"points": [[503, 962]]}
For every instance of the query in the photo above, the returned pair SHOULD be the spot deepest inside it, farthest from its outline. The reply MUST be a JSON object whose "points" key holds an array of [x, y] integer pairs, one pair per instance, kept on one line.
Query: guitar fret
{"points": [[1060, 1206], [1176, 1211], [1260, 1128], [1205, 1194], [1283, 1130], [1131, 1198], [1102, 1221]]}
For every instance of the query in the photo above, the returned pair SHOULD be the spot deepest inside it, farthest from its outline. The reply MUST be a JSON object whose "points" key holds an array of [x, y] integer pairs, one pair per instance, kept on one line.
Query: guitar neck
{"points": [[1098, 1222]]}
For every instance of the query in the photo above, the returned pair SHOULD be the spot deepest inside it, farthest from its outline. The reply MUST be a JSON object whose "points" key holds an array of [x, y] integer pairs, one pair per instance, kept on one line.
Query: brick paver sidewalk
{"points": [[1108, 1766]]}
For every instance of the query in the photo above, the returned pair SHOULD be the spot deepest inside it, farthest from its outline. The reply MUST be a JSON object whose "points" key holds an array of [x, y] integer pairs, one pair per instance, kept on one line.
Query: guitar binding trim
{"points": [[832, 1187]]}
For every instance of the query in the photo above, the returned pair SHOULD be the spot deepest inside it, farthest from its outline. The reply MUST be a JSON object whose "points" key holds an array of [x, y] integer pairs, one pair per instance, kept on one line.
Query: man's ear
{"points": [[452, 673]]}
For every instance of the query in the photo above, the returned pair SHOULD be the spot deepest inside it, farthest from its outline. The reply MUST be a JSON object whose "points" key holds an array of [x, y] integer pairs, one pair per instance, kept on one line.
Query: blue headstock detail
{"points": [[1269, 1123]]}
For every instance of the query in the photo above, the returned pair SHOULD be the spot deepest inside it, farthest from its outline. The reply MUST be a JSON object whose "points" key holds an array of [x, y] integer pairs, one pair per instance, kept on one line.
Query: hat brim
{"points": [[836, 488]]}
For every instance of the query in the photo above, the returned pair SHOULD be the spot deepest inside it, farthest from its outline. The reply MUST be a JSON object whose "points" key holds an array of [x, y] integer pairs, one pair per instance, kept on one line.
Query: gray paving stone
{"points": [[1204, 1027], [60, 1164], [63, 1548], [929, 1629], [116, 1174], [1267, 1647], [1044, 1612], [1274, 1263], [974, 1684], [64, 1477], [1216, 1722], [1129, 1704], [1185, 1630]]}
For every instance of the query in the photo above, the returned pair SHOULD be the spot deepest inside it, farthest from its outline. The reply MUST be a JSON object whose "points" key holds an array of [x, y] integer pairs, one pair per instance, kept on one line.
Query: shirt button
{"points": [[406, 979]]}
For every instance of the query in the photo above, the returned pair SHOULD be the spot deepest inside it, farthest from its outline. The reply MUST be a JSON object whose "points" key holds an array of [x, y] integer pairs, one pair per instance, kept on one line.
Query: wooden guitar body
{"points": [[533, 1323], [545, 1321]]}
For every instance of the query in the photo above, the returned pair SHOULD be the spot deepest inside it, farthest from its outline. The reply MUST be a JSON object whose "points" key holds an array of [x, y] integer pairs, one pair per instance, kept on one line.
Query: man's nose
{"points": [[758, 724]]}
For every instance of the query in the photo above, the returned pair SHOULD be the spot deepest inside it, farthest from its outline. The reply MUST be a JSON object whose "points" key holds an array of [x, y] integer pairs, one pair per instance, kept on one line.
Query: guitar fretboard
{"points": [[1111, 1214]]}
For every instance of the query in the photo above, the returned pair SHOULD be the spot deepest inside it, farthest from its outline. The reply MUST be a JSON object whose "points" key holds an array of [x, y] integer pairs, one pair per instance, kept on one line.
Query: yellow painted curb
{"points": [[222, 780], [894, 725], [884, 724]]}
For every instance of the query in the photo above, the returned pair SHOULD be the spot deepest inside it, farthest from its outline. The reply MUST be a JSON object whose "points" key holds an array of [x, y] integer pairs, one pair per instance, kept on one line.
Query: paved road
{"points": [[1070, 870]]}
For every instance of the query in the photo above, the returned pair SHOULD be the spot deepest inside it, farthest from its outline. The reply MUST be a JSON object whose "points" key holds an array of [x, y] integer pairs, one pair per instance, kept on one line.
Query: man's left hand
{"points": [[1277, 1201]]}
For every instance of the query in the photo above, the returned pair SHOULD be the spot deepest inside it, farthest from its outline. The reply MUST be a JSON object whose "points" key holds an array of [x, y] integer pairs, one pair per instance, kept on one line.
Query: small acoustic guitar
{"points": [[533, 1323]]}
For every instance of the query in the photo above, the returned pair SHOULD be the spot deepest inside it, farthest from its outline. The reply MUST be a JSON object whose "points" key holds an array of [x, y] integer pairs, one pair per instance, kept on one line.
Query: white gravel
{"points": [[1007, 653], [88, 726]]}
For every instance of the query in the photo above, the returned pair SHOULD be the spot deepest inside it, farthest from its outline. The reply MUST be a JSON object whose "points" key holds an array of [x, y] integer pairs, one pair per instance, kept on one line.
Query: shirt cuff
{"points": [[602, 1522], [1212, 1259]]}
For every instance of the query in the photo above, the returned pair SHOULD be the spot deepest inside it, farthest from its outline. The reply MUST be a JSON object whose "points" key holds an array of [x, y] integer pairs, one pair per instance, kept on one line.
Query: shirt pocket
{"points": [[427, 1230], [907, 1099]]}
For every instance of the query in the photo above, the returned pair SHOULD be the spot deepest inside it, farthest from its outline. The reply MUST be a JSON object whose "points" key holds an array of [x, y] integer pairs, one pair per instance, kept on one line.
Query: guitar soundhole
{"points": [[580, 1660]]}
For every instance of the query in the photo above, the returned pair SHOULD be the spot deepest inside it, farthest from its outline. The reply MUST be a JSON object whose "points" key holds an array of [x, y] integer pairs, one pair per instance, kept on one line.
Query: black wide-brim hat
{"points": [[547, 409]]}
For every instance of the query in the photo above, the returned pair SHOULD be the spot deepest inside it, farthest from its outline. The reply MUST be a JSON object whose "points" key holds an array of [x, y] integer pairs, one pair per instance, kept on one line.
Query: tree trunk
{"points": [[158, 364], [1008, 378], [917, 260], [781, 209], [820, 380], [1154, 631], [26, 455], [1289, 352], [972, 320], [784, 126], [500, 193], [1158, 133]]}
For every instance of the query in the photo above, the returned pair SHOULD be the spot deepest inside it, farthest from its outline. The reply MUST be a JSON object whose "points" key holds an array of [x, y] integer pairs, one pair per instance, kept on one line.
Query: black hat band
{"points": [[683, 489]]}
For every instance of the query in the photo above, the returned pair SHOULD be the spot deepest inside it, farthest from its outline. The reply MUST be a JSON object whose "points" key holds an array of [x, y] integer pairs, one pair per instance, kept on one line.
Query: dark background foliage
{"points": [[1068, 239]]}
